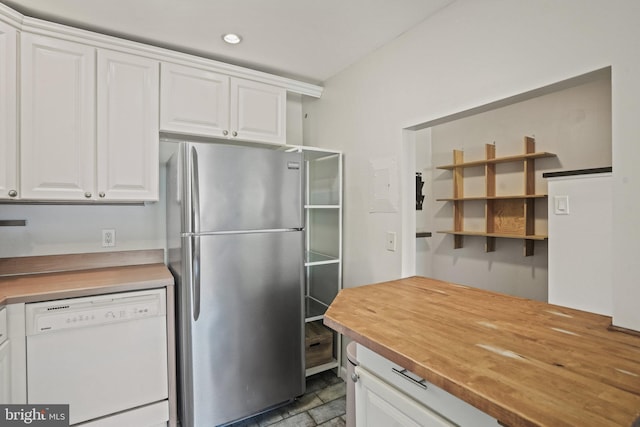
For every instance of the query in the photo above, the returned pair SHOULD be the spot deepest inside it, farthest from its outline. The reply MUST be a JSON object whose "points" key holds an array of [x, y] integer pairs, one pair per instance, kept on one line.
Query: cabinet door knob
{"points": [[87, 195], [354, 377], [234, 133], [13, 193], [101, 194], [225, 132]]}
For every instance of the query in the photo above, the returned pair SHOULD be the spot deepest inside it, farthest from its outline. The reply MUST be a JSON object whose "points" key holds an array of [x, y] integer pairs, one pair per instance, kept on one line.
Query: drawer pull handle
{"points": [[405, 374]]}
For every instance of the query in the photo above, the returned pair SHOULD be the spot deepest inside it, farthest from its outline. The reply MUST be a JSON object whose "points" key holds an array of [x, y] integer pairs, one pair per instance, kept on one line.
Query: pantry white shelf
{"points": [[323, 231]]}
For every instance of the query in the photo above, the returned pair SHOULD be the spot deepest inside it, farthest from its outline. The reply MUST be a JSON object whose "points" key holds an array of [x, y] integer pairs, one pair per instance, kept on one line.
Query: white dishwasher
{"points": [[105, 356]]}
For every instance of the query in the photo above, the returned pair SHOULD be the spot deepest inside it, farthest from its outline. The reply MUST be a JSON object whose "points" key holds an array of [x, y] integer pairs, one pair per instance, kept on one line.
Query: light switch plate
{"points": [[391, 241], [561, 205]]}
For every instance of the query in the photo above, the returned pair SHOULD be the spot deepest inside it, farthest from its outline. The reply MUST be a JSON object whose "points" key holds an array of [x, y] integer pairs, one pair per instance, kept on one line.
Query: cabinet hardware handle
{"points": [[101, 194], [225, 132], [87, 195], [354, 377], [419, 381], [234, 133], [13, 193]]}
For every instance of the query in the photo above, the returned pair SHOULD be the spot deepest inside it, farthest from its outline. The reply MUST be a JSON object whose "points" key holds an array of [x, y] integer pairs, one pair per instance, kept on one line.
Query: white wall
{"points": [[574, 123], [424, 217], [470, 54], [580, 250], [68, 229]]}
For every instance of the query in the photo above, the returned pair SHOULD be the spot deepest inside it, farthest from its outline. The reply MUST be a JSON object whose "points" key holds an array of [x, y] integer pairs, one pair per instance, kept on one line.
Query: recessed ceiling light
{"points": [[232, 38]]}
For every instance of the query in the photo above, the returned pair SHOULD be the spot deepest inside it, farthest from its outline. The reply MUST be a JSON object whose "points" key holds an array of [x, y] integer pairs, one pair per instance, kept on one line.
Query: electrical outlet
{"points": [[108, 238], [391, 241]]}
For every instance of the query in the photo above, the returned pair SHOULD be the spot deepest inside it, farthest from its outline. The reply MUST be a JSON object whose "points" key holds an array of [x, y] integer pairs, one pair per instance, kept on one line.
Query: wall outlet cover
{"points": [[108, 238]]}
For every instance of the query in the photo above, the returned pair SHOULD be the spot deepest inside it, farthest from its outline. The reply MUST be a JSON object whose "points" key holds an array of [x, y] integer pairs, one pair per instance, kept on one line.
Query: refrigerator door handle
{"points": [[195, 192], [195, 276]]}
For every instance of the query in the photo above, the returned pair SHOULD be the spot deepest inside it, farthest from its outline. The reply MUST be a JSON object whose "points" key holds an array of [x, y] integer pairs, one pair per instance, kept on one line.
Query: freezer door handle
{"points": [[195, 192], [195, 290]]}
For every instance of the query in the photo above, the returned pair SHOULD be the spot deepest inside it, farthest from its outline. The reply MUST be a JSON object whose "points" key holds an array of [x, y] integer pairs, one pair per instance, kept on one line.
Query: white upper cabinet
{"points": [[127, 132], [8, 113], [81, 112], [88, 132], [58, 119], [196, 101], [258, 111]]}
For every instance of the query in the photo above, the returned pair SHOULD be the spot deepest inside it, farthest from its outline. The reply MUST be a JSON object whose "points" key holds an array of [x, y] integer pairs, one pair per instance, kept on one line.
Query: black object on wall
{"points": [[419, 196]]}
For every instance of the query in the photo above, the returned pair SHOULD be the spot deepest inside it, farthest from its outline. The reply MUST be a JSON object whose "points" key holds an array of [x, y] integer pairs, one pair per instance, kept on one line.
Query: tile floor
{"points": [[323, 405]]}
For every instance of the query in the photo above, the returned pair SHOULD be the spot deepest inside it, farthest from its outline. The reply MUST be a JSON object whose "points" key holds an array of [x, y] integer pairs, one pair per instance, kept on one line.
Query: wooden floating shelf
{"points": [[482, 198], [507, 159], [510, 216], [501, 235]]}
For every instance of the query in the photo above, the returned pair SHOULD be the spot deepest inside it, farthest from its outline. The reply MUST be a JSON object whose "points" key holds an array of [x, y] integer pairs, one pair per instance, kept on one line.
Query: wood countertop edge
{"points": [[100, 281], [507, 414]]}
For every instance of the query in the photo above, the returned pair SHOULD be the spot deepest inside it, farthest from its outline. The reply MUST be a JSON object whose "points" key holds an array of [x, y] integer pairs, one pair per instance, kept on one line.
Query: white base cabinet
{"points": [[5, 373], [379, 405], [397, 391], [14, 357], [5, 360]]}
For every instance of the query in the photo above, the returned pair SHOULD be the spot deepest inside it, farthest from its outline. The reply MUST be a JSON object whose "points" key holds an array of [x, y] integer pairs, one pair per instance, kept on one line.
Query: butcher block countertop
{"points": [[43, 278], [523, 362]]}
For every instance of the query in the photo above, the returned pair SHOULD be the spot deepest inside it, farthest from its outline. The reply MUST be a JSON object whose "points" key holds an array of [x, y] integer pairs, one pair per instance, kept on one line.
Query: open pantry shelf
{"points": [[321, 368], [323, 257], [314, 309], [315, 258], [506, 216]]}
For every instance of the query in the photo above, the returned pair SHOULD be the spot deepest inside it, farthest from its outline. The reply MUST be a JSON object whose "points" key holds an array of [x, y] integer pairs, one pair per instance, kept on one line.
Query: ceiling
{"points": [[308, 40]]}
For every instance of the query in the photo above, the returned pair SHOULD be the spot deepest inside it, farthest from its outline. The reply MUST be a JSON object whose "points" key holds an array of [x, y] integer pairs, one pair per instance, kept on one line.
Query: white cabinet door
{"points": [[5, 373], [8, 113], [127, 132], [5, 370], [258, 111], [380, 405], [194, 101], [58, 119], [200, 102]]}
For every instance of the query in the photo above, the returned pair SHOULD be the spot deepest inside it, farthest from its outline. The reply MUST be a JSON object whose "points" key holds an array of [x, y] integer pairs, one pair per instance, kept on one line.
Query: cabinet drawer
{"points": [[380, 405], [3, 325], [440, 401]]}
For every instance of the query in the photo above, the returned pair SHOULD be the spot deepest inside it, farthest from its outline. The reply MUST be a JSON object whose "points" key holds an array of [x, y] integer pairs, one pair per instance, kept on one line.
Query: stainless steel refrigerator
{"points": [[235, 246]]}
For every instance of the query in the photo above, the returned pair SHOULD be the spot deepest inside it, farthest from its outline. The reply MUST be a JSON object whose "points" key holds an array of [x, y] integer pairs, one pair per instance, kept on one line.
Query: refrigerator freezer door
{"points": [[245, 351], [242, 188]]}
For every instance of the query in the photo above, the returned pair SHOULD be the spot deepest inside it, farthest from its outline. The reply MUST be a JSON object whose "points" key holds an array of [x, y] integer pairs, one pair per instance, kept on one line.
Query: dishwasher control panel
{"points": [[93, 311]]}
